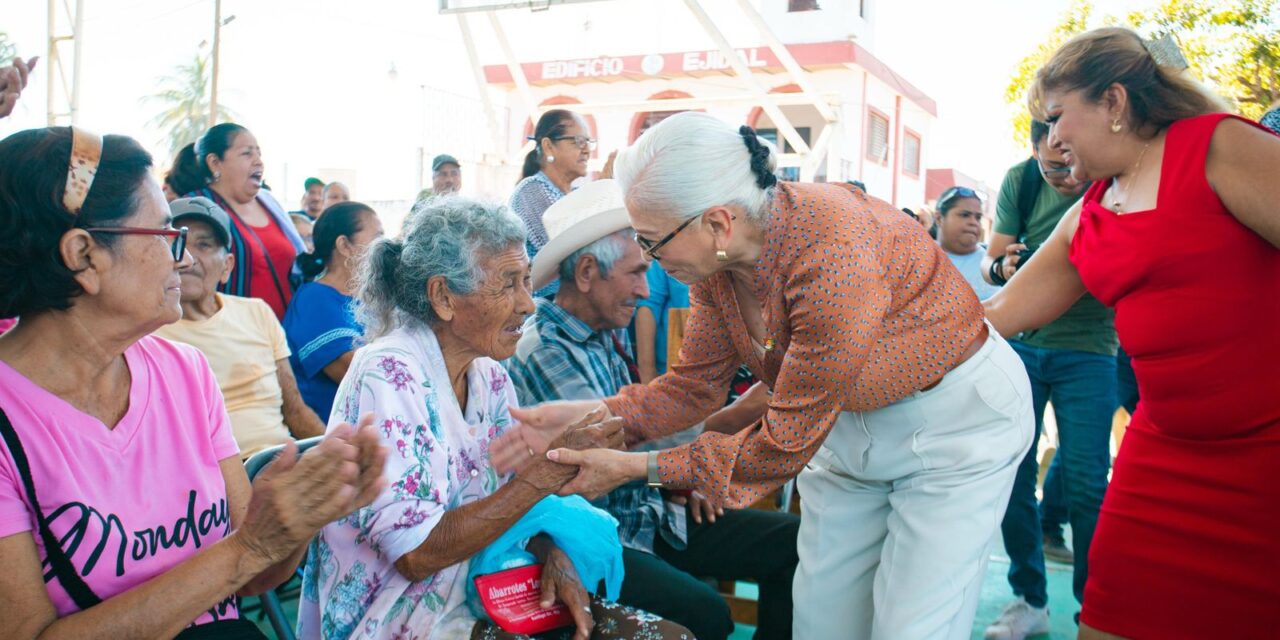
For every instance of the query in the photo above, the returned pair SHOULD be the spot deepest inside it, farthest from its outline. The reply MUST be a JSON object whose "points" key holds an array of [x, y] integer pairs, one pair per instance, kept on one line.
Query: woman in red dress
{"points": [[1180, 234]]}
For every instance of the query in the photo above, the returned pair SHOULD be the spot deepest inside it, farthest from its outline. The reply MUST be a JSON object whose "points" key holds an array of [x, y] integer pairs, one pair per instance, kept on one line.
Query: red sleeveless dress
{"points": [[1188, 540]]}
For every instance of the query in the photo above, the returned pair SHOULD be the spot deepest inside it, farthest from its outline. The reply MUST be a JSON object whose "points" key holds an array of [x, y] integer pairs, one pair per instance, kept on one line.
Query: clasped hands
{"points": [[572, 434]]}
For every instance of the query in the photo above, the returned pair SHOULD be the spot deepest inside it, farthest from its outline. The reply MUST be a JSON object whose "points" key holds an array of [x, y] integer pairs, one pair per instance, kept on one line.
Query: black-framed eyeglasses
{"points": [[582, 142], [651, 248], [1054, 171], [177, 237]]}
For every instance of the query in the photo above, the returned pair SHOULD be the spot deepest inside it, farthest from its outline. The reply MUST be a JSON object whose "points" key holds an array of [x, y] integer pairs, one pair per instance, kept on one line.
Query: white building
{"points": [[626, 64]]}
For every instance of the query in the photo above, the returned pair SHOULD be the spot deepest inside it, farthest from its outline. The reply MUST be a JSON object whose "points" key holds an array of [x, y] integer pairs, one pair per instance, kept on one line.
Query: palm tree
{"points": [[184, 96]]}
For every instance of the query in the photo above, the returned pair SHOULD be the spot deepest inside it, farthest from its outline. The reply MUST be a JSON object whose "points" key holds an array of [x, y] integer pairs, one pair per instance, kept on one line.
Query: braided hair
{"points": [[759, 158]]}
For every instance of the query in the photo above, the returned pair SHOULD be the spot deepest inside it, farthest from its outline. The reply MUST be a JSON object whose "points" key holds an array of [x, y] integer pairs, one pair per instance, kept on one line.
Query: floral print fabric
{"points": [[437, 460]]}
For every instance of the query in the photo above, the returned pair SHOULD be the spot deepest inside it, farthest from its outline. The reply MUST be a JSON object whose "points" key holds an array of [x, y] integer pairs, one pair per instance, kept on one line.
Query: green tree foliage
{"points": [[184, 101], [1231, 45], [1077, 19]]}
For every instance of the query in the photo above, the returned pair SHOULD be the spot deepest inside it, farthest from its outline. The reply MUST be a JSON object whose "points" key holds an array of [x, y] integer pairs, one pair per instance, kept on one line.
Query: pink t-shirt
{"points": [[7, 324], [131, 502]]}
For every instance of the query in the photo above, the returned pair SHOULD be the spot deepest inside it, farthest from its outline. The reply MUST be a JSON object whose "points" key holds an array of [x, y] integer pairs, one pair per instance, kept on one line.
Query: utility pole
{"points": [[217, 41], [64, 106]]}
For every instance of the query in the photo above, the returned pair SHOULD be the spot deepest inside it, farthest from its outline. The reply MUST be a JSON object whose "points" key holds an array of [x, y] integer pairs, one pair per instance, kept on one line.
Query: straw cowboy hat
{"points": [[581, 217]]}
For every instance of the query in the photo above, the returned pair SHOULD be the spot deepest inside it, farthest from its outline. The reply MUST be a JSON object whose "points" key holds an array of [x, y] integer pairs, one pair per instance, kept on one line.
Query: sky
{"points": [[332, 84]]}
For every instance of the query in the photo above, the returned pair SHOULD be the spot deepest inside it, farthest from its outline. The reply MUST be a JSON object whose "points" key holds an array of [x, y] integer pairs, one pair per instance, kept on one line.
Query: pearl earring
{"points": [[721, 256], [551, 158], [1116, 126]]}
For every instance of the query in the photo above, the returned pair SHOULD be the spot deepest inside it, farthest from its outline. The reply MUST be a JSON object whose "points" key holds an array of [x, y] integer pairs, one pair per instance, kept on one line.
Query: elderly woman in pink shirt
{"points": [[119, 477]]}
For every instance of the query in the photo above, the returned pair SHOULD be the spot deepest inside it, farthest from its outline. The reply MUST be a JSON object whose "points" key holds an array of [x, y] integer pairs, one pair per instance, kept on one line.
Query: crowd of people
{"points": [[547, 383]]}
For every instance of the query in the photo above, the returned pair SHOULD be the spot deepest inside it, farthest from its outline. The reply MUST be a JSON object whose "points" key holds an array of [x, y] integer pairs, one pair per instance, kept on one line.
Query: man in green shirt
{"points": [[1071, 363]]}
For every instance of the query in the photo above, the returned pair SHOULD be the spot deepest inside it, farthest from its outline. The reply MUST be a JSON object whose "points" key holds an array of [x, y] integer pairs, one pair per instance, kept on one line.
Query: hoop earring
{"points": [[1116, 127], [721, 256]]}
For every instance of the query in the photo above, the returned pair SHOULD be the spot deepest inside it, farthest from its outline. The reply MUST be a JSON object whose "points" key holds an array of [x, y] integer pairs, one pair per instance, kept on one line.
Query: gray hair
{"points": [[607, 251], [448, 237], [332, 185], [689, 163]]}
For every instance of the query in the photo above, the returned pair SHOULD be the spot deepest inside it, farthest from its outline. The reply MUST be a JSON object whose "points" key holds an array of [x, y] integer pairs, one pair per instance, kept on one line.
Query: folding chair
{"points": [[270, 600]]}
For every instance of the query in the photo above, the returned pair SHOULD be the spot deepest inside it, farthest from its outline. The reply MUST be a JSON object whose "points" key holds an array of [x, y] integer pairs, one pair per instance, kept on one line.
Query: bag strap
{"points": [[63, 570], [1028, 193], [266, 256]]}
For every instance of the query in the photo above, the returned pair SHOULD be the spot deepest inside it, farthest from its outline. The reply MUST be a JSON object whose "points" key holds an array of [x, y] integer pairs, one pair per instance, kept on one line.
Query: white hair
{"points": [[607, 251], [689, 163]]}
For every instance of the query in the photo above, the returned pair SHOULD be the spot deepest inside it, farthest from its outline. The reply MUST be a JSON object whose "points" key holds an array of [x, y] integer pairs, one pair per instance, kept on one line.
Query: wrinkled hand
{"points": [[1011, 259], [590, 433], [297, 495], [586, 433], [700, 506], [599, 470], [560, 582], [534, 430], [13, 79]]}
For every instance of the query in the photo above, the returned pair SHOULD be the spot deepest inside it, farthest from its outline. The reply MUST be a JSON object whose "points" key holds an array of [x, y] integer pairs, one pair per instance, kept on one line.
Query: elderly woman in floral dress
{"points": [[441, 306]]}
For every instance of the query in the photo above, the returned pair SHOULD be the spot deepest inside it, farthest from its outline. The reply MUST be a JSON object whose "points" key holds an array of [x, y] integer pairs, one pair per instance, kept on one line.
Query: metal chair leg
{"points": [[275, 614]]}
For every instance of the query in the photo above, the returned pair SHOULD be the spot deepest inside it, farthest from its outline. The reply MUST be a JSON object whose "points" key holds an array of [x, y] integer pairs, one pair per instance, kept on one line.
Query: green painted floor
{"points": [[995, 594]]}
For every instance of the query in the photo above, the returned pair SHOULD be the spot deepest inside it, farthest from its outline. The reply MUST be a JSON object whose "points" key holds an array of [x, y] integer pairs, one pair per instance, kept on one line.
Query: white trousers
{"points": [[900, 506]]}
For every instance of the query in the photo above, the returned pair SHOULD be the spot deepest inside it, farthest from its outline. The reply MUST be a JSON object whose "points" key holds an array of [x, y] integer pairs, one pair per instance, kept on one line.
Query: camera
{"points": [[1025, 254]]}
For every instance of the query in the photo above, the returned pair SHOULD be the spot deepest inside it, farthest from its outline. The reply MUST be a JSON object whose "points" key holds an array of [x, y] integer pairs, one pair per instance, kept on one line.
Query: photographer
{"points": [[1071, 363]]}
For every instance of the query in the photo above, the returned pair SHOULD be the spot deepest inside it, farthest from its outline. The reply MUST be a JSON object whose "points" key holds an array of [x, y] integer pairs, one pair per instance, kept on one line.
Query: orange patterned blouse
{"points": [[862, 308]]}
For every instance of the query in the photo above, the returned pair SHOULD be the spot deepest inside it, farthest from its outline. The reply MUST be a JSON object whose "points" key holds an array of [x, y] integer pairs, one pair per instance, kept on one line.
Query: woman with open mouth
{"points": [[225, 166]]}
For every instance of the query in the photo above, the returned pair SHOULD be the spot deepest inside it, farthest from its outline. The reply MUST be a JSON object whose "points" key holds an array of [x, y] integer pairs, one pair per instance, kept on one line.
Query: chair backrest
{"points": [[259, 461]]}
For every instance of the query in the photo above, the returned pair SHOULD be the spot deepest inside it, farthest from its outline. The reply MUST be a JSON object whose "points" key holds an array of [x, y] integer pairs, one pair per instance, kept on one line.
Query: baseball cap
{"points": [[203, 210], [442, 160], [312, 182]]}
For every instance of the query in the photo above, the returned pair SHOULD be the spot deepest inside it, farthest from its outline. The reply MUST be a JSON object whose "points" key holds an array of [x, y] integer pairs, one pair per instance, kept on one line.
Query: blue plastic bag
{"points": [[589, 536]]}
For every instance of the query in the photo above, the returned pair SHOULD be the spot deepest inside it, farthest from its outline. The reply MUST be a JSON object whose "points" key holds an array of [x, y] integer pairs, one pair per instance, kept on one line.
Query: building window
{"points": [[911, 153], [802, 5], [877, 137], [783, 145], [786, 173]]}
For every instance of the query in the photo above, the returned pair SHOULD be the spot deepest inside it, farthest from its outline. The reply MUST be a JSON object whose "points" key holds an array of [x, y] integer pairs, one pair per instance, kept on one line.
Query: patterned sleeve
{"points": [[837, 299], [529, 201], [692, 389], [320, 331], [403, 404]]}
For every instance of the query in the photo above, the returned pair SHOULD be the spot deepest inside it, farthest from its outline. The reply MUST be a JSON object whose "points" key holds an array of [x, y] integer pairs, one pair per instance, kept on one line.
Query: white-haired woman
{"points": [[902, 414], [440, 308]]}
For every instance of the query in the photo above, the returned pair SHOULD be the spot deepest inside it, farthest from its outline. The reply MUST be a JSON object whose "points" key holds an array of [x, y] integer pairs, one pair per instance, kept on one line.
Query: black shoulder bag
{"points": [[70, 579]]}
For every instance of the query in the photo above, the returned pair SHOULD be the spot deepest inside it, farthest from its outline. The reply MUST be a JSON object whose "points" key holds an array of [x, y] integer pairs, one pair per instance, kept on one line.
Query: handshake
{"points": [[568, 448]]}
